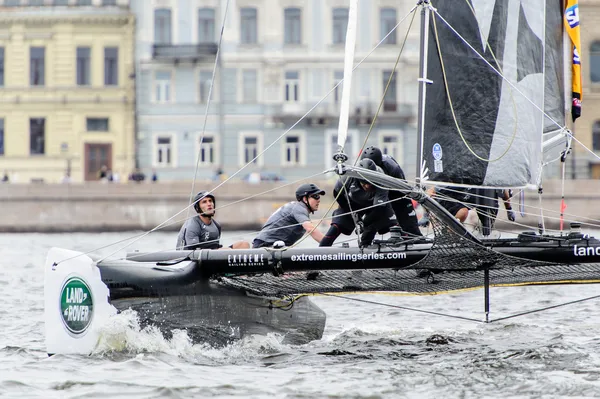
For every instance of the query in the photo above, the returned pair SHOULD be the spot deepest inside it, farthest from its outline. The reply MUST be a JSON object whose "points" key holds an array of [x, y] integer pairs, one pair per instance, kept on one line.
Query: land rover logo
{"points": [[76, 305]]}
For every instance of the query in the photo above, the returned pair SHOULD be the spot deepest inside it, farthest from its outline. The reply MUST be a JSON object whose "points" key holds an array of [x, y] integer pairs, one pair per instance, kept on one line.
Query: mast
{"points": [[340, 157], [423, 81]]}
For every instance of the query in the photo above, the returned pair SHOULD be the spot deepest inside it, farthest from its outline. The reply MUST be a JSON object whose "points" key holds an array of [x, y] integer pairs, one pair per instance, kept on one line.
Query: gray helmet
{"points": [[308, 189], [367, 163], [201, 195], [374, 154]]}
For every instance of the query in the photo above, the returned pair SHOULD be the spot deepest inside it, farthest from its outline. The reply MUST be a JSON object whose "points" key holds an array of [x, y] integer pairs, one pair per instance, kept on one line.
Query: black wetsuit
{"points": [[377, 219], [402, 206]]}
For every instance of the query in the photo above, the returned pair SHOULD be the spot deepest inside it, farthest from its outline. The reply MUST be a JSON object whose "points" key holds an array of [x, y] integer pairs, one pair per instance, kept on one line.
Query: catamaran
{"points": [[492, 113]]}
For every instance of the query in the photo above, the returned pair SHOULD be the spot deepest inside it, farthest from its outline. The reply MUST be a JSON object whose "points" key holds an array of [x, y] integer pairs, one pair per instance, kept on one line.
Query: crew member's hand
{"points": [[360, 227], [510, 214]]}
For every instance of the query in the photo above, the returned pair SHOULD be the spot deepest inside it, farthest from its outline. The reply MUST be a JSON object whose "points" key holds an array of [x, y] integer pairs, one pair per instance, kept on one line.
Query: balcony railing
{"points": [[184, 52], [332, 109]]}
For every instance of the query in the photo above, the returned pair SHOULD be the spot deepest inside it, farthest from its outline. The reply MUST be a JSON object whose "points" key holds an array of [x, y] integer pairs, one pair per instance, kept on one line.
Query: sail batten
{"points": [[498, 86]]}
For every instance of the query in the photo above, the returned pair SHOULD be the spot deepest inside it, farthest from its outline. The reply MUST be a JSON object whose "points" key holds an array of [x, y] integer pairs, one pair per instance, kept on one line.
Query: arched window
{"points": [[596, 136], [595, 61]]}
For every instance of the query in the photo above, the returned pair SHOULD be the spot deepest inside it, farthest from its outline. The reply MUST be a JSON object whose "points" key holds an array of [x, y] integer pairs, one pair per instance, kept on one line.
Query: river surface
{"points": [[368, 350]]}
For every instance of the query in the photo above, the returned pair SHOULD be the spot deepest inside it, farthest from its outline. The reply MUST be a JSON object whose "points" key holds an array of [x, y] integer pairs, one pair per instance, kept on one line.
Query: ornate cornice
{"points": [[9, 16]]}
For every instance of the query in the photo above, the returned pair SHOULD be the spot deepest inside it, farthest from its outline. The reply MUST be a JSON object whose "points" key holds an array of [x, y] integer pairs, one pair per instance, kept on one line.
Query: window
{"points": [[250, 149], [111, 62], [206, 25], [291, 150], [12, 3], [60, 2], [390, 144], [36, 66], [292, 82], [83, 66], [36, 3], [337, 93], [37, 133], [205, 82], [162, 26], [1, 136], [249, 86], [109, 2], [595, 136], [248, 26], [387, 21], [389, 99], [162, 87], [595, 62], [164, 151], [293, 26], [340, 25], [208, 150], [351, 147], [1, 66], [84, 2], [97, 124]]}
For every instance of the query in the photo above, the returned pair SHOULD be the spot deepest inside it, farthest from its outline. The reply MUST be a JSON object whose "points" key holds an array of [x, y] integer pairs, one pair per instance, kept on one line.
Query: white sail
{"points": [[348, 65]]}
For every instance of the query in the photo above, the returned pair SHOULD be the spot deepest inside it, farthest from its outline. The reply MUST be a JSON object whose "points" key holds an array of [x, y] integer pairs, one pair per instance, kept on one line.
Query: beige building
{"points": [[67, 90], [587, 127]]}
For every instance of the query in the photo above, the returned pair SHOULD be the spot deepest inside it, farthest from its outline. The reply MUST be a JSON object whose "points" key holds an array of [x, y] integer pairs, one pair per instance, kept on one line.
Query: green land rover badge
{"points": [[76, 305]]}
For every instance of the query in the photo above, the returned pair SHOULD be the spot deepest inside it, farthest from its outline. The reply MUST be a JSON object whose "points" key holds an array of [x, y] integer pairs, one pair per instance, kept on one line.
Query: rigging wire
{"points": [[412, 11], [208, 102], [539, 310]]}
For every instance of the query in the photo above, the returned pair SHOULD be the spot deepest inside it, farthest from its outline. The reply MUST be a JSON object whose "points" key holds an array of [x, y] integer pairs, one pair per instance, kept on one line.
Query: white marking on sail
{"points": [[348, 64], [484, 11], [521, 165], [532, 15]]}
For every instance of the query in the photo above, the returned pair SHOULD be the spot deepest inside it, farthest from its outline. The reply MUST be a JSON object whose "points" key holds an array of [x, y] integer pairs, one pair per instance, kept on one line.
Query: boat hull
{"points": [[221, 317]]}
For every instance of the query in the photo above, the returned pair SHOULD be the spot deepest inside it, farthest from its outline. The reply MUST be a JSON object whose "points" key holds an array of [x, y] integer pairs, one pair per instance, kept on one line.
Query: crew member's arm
{"points": [[313, 231], [510, 214]]}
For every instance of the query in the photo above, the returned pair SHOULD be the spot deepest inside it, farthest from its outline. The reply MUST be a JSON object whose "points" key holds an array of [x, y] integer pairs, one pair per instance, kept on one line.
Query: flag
{"points": [[573, 30]]}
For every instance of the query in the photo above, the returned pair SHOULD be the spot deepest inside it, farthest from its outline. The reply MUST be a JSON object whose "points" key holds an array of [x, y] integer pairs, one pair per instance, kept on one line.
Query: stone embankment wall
{"points": [[118, 207]]}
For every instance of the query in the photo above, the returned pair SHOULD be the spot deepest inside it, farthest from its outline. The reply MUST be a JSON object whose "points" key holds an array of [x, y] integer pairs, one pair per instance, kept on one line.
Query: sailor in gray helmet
{"points": [[292, 220], [202, 231]]}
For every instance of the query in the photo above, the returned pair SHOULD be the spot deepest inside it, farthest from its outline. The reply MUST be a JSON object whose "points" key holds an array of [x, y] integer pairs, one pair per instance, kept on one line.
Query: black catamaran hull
{"points": [[180, 296]]}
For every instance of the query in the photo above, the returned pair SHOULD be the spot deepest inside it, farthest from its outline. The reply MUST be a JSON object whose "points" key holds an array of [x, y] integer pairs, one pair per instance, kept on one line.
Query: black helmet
{"points": [[201, 195], [367, 163], [308, 189], [374, 154]]}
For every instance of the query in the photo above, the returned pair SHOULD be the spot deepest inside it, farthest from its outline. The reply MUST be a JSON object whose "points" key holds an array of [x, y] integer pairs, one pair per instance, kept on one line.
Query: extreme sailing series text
{"points": [[342, 256]]}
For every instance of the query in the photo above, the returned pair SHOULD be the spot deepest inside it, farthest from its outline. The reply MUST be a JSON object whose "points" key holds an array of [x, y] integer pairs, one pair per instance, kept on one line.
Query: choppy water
{"points": [[368, 351]]}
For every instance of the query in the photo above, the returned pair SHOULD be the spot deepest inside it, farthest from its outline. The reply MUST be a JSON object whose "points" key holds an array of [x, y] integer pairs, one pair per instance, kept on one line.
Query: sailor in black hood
{"points": [[402, 206], [361, 205]]}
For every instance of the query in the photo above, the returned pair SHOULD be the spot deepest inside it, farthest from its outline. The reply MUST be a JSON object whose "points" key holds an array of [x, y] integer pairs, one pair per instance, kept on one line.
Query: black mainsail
{"points": [[498, 85]]}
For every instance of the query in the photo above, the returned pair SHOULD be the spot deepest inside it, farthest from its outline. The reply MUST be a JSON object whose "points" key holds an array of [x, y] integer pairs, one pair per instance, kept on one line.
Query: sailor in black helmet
{"points": [[370, 205], [202, 231], [402, 206], [292, 220]]}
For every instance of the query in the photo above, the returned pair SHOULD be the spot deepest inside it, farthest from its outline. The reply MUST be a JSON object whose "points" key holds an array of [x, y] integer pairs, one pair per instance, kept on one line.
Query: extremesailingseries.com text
{"points": [[342, 256]]}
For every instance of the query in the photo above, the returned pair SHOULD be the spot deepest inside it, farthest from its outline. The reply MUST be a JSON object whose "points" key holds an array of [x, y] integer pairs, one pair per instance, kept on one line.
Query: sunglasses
{"points": [[315, 196]]}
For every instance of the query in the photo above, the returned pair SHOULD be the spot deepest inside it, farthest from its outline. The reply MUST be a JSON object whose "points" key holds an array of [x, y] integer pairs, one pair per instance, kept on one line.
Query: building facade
{"points": [[67, 89], [278, 59]]}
